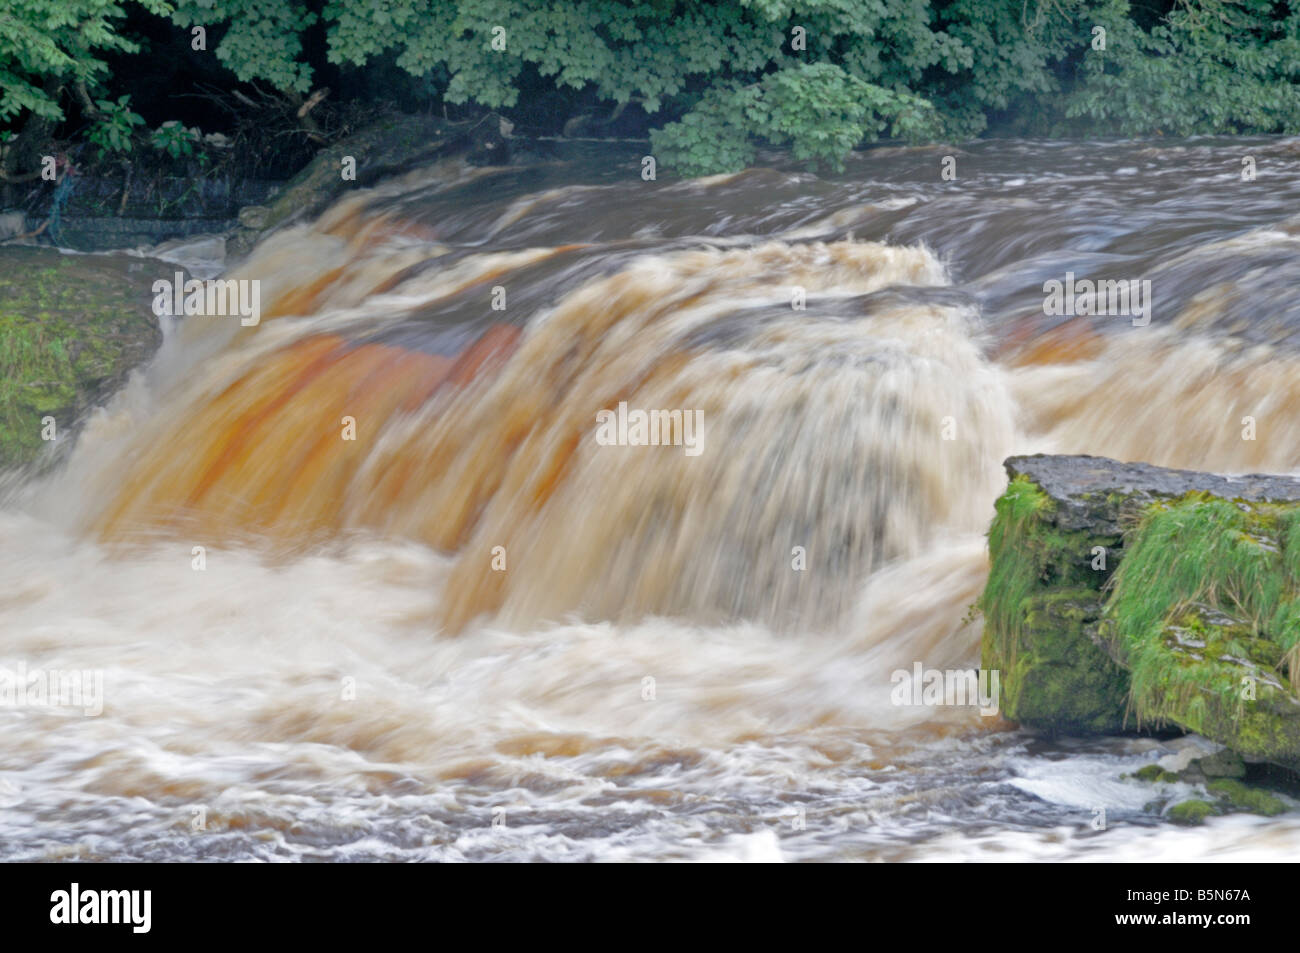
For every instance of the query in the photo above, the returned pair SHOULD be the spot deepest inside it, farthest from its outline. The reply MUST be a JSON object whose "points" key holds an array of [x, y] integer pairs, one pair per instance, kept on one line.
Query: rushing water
{"points": [[476, 632]]}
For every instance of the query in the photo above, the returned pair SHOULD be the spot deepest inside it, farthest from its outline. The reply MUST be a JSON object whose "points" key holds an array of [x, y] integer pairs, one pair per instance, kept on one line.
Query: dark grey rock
{"points": [[1097, 493]]}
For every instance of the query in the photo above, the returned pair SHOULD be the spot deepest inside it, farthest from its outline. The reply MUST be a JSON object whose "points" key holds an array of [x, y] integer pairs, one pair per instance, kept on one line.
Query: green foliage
{"points": [[711, 137], [1009, 57], [263, 39], [719, 80], [111, 132], [174, 139], [819, 110], [1213, 66], [46, 45], [731, 75]]}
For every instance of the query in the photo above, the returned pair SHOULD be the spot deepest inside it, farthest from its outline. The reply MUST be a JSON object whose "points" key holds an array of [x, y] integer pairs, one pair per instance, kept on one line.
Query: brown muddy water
{"points": [[478, 632]]}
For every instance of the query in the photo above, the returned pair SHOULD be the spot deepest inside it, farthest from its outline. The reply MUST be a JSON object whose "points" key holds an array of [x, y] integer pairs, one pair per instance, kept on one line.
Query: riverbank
{"points": [[72, 327]]}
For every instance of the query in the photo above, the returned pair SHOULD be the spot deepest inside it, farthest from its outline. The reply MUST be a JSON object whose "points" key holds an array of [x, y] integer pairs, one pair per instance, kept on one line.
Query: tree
{"points": [[49, 48], [717, 79], [1213, 66]]}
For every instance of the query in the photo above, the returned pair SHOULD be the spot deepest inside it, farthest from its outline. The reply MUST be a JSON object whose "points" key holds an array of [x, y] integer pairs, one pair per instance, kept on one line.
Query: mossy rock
{"points": [[1153, 773], [1205, 613], [1041, 608], [1222, 764], [1191, 813], [1127, 594], [1242, 797], [71, 328]]}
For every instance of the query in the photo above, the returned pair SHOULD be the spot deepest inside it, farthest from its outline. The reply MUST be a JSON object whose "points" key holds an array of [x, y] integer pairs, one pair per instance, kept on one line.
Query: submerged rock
{"points": [[71, 328], [1126, 595]]}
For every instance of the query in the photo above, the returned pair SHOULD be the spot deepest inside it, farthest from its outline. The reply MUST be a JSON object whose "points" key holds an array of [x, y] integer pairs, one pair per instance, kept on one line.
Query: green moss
{"points": [[1242, 797], [1040, 607], [1015, 571], [1203, 614], [71, 326], [1197, 627], [1153, 773], [1191, 813]]}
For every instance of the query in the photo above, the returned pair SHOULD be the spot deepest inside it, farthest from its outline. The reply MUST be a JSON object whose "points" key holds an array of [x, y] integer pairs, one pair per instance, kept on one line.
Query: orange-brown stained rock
{"points": [[395, 495], [267, 455], [304, 298], [158, 485], [492, 348], [1028, 343]]}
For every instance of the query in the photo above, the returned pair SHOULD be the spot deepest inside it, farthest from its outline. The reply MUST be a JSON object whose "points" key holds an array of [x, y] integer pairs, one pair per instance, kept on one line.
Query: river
{"points": [[462, 627]]}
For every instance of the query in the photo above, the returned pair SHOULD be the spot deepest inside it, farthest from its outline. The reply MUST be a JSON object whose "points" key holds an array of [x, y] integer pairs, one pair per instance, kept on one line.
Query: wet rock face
{"points": [[1042, 612], [105, 212], [72, 327], [385, 148], [1124, 594]]}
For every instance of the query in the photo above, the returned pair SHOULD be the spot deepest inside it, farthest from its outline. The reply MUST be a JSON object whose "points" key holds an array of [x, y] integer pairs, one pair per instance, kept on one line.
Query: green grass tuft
{"points": [[1205, 612]]}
